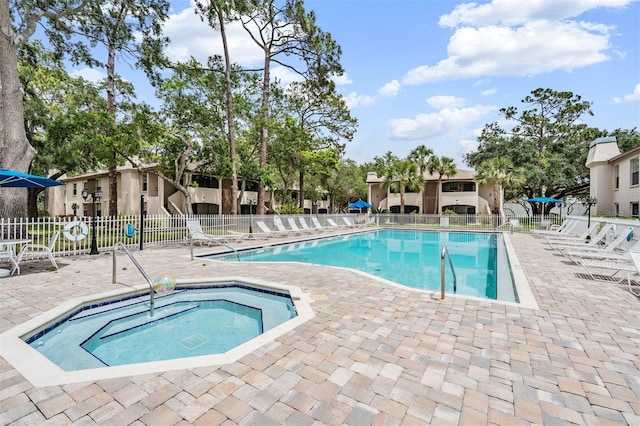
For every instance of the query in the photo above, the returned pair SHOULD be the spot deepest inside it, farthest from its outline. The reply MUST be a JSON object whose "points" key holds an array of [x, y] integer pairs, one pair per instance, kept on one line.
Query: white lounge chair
{"points": [[566, 228], [604, 253], [265, 230], [277, 222], [581, 237], [607, 248], [348, 222], [197, 234], [332, 223], [294, 227], [306, 227], [616, 266], [316, 224], [36, 251], [635, 257], [595, 242]]}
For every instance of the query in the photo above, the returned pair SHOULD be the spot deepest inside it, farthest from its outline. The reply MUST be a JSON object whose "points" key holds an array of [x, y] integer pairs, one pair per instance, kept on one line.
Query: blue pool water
{"points": [[186, 323], [411, 258]]}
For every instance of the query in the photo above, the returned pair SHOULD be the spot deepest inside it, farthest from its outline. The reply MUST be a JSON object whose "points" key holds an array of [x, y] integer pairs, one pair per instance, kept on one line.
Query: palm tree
{"points": [[499, 172], [401, 176], [421, 155], [444, 166]]}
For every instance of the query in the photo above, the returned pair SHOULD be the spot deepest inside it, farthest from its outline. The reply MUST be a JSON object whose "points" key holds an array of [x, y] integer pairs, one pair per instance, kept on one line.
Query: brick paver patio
{"points": [[373, 354]]}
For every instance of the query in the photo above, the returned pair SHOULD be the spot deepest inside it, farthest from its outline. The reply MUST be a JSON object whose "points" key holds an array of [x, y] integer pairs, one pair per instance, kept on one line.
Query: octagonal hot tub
{"points": [[204, 322]]}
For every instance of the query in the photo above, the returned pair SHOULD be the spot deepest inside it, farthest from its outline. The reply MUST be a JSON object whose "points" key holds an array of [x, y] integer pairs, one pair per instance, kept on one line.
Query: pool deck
{"points": [[373, 353]]}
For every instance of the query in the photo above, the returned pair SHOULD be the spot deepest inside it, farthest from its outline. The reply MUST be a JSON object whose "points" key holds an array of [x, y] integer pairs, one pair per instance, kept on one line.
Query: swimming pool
{"points": [[188, 322], [408, 257], [114, 333]]}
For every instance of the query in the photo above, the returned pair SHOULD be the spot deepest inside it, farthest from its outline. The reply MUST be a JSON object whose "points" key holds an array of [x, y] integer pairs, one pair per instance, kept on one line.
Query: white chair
{"points": [[294, 226], [348, 222], [333, 224], [317, 224], [37, 251], [305, 227], [6, 253], [566, 228], [608, 248], [266, 231], [616, 266], [277, 222], [595, 242], [197, 234], [573, 237], [635, 257]]}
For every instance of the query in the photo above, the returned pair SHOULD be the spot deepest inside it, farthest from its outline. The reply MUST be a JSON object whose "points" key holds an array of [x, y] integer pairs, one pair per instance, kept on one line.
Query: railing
{"points": [[217, 242], [443, 254], [142, 271], [164, 229]]}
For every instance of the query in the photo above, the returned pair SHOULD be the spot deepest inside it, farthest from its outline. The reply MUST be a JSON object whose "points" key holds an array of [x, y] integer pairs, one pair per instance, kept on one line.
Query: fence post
{"points": [[141, 227]]}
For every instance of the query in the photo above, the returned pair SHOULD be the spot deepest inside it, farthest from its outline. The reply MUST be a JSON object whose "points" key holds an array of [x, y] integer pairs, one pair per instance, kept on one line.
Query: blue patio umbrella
{"points": [[15, 179], [546, 200], [360, 204], [543, 200]]}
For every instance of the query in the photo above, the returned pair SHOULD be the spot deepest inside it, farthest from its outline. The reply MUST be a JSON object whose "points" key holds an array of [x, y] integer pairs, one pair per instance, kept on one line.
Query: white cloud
{"points": [[489, 92], [442, 101], [89, 74], [354, 100], [441, 123], [190, 36], [285, 75], [631, 97], [390, 89], [342, 80], [534, 48], [516, 12]]}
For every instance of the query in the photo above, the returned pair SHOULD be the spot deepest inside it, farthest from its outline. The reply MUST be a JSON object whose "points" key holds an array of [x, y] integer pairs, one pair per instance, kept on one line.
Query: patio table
{"points": [[8, 251]]}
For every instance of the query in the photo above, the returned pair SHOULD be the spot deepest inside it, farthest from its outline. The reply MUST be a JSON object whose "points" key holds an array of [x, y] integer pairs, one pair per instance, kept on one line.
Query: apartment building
{"points": [[614, 178]]}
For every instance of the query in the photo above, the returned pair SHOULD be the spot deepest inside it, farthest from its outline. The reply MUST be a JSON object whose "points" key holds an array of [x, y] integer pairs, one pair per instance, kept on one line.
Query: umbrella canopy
{"points": [[15, 179], [543, 200], [360, 204]]}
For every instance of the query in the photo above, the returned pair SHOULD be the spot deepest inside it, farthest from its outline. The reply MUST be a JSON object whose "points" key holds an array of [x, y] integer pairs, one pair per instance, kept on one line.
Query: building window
{"points": [[616, 209], [635, 171], [616, 177], [145, 181], [459, 187], [75, 189], [635, 211]]}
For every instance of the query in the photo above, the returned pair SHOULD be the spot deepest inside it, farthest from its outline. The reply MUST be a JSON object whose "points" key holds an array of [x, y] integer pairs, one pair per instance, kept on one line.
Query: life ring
{"points": [[75, 235], [130, 231]]}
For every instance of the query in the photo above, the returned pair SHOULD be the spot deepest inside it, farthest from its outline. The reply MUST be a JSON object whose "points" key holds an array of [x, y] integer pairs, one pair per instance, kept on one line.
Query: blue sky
{"points": [[435, 72]]}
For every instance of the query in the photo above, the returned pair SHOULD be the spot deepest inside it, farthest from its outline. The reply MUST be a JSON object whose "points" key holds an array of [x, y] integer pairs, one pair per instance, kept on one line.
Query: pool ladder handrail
{"points": [[217, 242], [142, 271], [443, 254]]}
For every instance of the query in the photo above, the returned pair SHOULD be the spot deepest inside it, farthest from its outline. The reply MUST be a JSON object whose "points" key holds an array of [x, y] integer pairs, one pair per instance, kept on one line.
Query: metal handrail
{"points": [[443, 254], [144, 274], [217, 242]]}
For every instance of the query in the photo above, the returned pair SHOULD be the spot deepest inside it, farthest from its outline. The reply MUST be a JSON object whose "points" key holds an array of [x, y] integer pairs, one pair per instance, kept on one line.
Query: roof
{"points": [[372, 177]]}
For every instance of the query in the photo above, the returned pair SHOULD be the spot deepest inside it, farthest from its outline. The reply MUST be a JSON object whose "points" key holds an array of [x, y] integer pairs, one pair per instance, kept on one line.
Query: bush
{"points": [[290, 208]]}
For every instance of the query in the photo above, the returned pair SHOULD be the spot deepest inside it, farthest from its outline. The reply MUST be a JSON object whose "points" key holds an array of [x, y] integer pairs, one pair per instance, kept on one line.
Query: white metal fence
{"points": [[75, 234]]}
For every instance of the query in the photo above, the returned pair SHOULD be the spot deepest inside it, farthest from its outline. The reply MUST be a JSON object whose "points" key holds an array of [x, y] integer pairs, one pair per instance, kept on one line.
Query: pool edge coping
{"points": [[41, 372]]}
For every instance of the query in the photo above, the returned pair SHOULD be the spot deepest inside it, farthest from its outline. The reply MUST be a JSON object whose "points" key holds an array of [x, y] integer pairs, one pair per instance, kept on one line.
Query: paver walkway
{"points": [[373, 354]]}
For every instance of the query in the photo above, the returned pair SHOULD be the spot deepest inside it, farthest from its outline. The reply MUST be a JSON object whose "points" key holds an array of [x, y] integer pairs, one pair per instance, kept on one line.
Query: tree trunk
{"points": [[264, 132], [301, 183], [230, 117], [15, 150], [111, 110], [32, 201]]}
